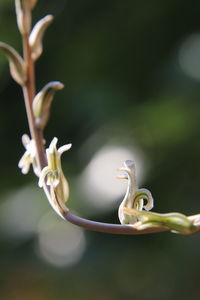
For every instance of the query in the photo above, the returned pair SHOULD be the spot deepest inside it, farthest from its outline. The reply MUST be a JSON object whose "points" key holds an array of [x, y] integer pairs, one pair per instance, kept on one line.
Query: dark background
{"points": [[132, 75]]}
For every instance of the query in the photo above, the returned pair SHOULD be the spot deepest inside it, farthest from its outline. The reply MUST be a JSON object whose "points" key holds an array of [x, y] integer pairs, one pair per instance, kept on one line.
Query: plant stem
{"points": [[109, 228], [37, 136], [29, 94], [115, 228]]}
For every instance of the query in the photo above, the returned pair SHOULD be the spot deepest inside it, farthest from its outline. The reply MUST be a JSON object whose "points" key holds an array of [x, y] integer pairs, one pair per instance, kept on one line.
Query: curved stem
{"points": [[109, 228], [114, 228]]}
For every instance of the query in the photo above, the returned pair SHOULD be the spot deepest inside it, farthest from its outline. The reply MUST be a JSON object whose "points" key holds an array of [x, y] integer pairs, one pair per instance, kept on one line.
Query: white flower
{"points": [[52, 178], [134, 198], [29, 156]]}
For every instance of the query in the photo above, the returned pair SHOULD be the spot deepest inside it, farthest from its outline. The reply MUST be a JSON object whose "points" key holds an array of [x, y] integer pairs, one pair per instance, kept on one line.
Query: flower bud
{"points": [[16, 63], [42, 102], [23, 12], [36, 36]]}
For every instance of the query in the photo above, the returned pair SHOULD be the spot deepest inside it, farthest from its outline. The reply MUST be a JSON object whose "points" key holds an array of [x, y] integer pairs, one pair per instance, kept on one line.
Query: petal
{"points": [[64, 148], [25, 140], [43, 174], [52, 147]]}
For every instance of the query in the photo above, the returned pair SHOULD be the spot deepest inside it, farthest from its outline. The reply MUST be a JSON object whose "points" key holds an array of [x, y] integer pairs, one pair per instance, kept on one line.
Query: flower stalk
{"points": [[134, 214]]}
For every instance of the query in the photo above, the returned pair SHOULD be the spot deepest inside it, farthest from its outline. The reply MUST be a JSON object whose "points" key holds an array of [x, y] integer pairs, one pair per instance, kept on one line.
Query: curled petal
{"points": [[36, 36], [53, 180], [16, 63], [42, 102], [64, 148], [145, 195], [45, 171], [134, 198]]}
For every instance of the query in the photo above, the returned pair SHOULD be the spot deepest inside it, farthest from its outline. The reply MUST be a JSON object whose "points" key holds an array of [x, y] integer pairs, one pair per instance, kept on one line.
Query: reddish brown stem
{"points": [[29, 94], [109, 228]]}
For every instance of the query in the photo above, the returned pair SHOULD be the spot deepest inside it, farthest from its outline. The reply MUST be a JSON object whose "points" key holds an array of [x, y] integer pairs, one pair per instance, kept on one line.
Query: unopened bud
{"points": [[16, 63], [23, 12], [42, 102], [36, 36]]}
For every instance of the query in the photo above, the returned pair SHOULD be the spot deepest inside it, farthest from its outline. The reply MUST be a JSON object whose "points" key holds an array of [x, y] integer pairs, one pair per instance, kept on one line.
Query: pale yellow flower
{"points": [[29, 157]]}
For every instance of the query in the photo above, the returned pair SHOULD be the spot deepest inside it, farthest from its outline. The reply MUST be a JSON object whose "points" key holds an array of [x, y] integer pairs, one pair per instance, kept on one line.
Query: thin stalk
{"points": [[114, 228], [109, 228], [29, 94]]}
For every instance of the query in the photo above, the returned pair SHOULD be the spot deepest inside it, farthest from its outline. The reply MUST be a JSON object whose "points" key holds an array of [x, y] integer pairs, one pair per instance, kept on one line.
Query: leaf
{"points": [[36, 36], [42, 102], [16, 63]]}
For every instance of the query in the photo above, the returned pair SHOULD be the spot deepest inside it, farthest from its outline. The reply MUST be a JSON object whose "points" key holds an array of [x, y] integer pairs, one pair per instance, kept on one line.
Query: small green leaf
{"points": [[42, 102], [17, 65], [36, 36]]}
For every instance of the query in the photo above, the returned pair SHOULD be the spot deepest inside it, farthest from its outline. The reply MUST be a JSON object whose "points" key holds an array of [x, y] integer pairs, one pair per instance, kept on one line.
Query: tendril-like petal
{"points": [[134, 197], [53, 180]]}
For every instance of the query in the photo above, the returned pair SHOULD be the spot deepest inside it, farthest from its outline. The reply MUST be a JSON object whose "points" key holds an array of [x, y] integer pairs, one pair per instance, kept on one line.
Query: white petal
{"points": [[52, 145], [25, 140], [64, 148], [43, 174]]}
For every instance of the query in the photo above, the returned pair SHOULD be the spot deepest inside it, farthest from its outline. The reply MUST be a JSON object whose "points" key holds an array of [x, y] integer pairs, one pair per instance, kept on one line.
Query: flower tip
{"points": [[25, 139], [57, 85], [64, 148], [40, 183], [53, 142], [49, 18], [129, 164]]}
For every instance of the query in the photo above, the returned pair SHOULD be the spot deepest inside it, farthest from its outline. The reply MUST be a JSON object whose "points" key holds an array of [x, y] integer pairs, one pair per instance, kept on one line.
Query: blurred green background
{"points": [[132, 75]]}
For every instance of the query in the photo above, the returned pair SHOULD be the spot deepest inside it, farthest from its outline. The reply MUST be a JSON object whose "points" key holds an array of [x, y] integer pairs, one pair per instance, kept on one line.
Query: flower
{"points": [[29, 156], [134, 198], [52, 178]]}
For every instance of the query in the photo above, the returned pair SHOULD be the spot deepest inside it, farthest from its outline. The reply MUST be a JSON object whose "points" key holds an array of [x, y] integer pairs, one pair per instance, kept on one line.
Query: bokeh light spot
{"points": [[98, 181], [59, 243]]}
